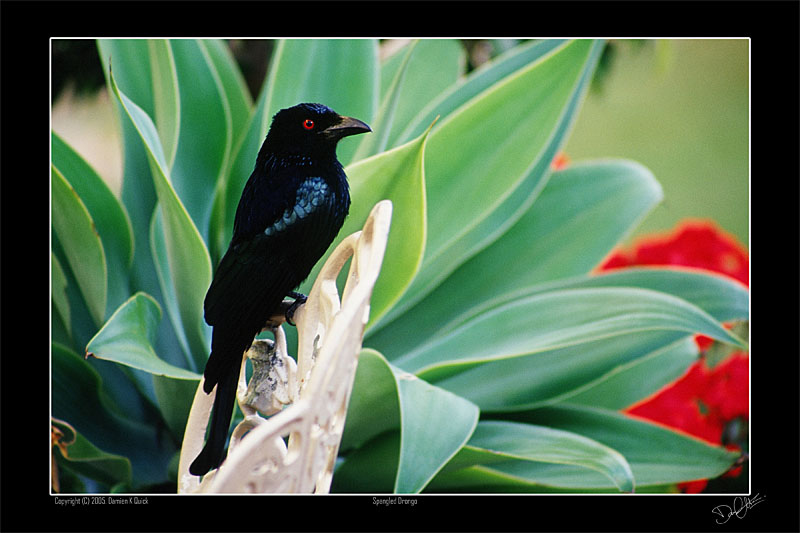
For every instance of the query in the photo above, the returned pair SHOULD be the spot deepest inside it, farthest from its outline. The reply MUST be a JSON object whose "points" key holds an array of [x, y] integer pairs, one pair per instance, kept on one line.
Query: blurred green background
{"points": [[680, 107]]}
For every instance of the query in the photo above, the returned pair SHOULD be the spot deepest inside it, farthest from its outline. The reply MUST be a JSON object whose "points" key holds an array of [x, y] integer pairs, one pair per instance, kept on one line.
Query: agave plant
{"points": [[494, 360]]}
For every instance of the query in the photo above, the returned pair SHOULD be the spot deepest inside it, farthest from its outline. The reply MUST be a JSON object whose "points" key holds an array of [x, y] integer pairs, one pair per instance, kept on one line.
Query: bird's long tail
{"points": [[211, 456]]}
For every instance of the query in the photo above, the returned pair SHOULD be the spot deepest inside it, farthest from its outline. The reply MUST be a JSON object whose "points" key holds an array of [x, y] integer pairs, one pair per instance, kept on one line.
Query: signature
{"points": [[739, 509]]}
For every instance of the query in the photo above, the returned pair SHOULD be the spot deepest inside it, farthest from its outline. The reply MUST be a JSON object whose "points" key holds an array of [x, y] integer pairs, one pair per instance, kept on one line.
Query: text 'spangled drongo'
{"points": [[291, 209]]}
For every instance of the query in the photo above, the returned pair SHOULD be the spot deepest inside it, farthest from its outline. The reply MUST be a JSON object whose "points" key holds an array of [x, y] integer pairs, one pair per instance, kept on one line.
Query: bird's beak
{"points": [[347, 126]]}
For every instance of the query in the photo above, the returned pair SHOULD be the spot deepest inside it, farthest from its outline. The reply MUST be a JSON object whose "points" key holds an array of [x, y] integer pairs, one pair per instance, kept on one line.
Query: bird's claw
{"points": [[299, 299]]}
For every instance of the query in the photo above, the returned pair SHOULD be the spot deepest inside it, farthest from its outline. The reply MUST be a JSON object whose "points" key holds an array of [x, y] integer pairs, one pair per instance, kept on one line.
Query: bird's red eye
{"points": [[308, 124]]}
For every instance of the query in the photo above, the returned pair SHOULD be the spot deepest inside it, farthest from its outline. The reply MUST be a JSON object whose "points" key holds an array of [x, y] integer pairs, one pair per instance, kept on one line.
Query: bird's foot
{"points": [[299, 299], [285, 312]]}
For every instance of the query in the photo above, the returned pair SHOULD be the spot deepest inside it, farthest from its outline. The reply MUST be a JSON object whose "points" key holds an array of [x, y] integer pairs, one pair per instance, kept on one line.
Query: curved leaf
{"points": [[58, 289], [657, 455], [196, 359], [476, 82], [495, 151], [240, 106], [199, 159], [374, 406], [85, 458], [236, 94], [166, 96], [572, 372], [81, 244], [110, 219], [131, 60], [434, 423], [372, 467], [633, 381], [559, 318], [495, 441], [580, 215], [434, 66], [76, 385], [127, 338], [721, 297], [382, 123], [632, 365], [189, 263]]}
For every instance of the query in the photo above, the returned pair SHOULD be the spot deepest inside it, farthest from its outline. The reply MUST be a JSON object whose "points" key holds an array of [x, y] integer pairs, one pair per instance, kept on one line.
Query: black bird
{"points": [[290, 211]]}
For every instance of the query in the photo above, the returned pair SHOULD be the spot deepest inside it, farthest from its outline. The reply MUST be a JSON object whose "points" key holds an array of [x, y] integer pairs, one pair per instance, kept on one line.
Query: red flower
{"points": [[696, 244], [703, 401], [726, 390]]}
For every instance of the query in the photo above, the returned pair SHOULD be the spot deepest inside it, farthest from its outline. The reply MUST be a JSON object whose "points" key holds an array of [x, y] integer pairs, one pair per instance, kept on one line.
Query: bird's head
{"points": [[310, 129]]}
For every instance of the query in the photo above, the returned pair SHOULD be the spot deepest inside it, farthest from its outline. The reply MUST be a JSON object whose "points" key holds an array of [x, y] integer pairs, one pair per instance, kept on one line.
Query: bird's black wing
{"points": [[256, 273]]}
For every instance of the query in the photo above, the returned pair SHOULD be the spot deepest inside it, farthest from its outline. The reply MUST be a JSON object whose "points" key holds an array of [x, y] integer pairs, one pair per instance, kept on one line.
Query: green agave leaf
{"points": [[86, 459], [239, 103], [495, 441], [135, 62], [127, 338], [580, 215], [81, 244], [434, 423], [110, 219], [372, 468], [187, 256], [237, 95], [721, 297], [633, 381], [374, 405], [433, 67], [131, 61], [657, 455], [555, 375], [166, 96], [476, 82], [340, 73], [132, 68], [174, 398], [76, 385], [190, 96], [194, 359], [133, 73], [397, 175], [494, 152], [59, 291], [559, 318], [612, 372], [382, 123], [199, 159], [485, 479]]}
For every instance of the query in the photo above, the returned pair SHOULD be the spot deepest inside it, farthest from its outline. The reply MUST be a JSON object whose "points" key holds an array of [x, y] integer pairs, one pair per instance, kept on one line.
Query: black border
{"points": [[773, 28]]}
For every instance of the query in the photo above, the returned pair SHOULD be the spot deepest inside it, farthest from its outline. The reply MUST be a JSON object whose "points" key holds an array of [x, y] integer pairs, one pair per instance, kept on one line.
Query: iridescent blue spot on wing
{"points": [[312, 193]]}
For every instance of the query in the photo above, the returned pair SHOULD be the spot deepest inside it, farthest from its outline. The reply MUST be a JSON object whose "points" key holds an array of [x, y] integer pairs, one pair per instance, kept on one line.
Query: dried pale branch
{"points": [[308, 401]]}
